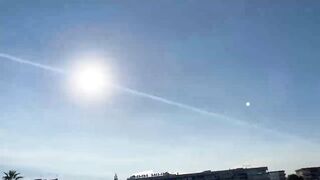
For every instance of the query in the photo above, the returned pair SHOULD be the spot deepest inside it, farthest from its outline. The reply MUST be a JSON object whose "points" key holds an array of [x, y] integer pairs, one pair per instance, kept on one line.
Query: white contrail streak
{"points": [[182, 106], [24, 61], [131, 91], [159, 99]]}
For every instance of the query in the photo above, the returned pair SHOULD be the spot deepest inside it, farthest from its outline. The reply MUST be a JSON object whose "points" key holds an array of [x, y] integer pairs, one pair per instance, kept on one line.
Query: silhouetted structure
{"points": [[310, 173], [115, 177], [259, 173], [277, 175], [294, 177]]}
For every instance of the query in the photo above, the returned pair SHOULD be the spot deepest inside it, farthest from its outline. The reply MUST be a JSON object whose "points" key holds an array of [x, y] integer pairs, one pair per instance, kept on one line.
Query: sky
{"points": [[206, 58]]}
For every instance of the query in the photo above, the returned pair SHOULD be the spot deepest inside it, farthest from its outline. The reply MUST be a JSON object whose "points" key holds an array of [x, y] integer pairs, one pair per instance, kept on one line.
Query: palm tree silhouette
{"points": [[12, 175]]}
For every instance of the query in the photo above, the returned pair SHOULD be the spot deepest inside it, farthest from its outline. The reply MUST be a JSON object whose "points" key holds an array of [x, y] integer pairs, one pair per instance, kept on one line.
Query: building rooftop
{"points": [[166, 174], [307, 168], [276, 171]]}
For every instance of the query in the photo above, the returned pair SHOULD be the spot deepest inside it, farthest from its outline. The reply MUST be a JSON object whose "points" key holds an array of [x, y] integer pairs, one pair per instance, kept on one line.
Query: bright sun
{"points": [[90, 79]]}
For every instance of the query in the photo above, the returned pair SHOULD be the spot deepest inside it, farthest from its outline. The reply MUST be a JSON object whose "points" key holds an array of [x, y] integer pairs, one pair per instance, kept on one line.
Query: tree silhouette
{"points": [[294, 177], [11, 175]]}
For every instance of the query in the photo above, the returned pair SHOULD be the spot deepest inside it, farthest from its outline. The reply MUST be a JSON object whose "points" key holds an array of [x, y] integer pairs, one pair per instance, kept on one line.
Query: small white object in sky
{"points": [[248, 104], [136, 92]]}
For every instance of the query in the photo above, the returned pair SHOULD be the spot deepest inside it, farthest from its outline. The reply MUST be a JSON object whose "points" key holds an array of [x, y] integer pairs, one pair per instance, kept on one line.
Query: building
{"points": [[310, 173], [259, 173], [277, 175]]}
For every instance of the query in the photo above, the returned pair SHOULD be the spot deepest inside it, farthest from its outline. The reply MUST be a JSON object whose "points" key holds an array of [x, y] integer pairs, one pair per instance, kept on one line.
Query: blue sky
{"points": [[213, 55]]}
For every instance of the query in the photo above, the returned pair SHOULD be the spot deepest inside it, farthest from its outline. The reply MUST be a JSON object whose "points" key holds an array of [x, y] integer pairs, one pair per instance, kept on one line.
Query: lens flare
{"points": [[90, 79]]}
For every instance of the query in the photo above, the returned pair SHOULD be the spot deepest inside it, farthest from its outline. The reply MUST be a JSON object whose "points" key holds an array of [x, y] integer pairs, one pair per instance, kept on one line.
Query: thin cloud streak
{"points": [[181, 105], [216, 116], [131, 91], [27, 62]]}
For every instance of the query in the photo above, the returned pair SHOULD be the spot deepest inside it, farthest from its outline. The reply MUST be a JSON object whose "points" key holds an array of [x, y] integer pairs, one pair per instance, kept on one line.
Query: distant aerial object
{"points": [[248, 104]]}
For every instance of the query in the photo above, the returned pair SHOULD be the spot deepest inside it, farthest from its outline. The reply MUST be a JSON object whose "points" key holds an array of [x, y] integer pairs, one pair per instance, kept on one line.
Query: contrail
{"points": [[162, 100], [181, 105], [129, 90], [24, 61]]}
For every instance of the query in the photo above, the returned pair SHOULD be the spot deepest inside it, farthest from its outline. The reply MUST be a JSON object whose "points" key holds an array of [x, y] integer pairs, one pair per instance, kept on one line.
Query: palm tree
{"points": [[12, 175]]}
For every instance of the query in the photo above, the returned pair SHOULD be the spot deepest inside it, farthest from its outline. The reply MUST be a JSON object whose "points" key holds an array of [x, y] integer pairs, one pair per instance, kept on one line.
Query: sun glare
{"points": [[90, 79]]}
